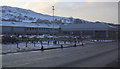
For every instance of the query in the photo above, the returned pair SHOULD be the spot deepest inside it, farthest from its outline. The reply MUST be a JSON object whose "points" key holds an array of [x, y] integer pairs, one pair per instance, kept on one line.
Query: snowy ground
{"points": [[31, 46]]}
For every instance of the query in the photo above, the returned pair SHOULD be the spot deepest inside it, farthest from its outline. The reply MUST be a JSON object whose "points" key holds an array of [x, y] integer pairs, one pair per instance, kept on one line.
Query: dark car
{"points": [[9, 39]]}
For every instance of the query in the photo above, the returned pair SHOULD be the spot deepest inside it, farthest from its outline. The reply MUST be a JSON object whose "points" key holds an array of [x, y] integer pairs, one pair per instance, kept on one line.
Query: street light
{"points": [[54, 42], [81, 38], [53, 18]]}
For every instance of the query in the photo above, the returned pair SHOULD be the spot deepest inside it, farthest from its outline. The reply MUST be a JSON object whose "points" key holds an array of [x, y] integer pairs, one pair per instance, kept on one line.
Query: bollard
{"points": [[26, 43], [82, 44], [18, 45], [75, 44], [34, 44], [42, 48], [61, 46], [48, 42]]}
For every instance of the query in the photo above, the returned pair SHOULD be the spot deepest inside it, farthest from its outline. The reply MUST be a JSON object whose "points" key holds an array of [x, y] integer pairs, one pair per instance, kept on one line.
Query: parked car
{"points": [[9, 39]]}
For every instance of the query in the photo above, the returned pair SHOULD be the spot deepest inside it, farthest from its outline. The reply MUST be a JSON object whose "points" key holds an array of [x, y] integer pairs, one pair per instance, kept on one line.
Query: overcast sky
{"points": [[91, 10]]}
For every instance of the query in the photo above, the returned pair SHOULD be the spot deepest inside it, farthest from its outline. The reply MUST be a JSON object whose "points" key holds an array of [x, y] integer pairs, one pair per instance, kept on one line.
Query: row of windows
{"points": [[31, 28], [39, 29]]}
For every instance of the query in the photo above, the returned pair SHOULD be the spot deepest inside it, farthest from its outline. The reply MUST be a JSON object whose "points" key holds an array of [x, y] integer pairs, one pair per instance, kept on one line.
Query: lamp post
{"points": [[53, 18], [54, 42], [81, 39]]}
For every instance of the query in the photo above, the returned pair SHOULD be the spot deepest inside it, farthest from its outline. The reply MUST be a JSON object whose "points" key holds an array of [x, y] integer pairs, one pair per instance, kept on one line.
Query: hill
{"points": [[24, 15]]}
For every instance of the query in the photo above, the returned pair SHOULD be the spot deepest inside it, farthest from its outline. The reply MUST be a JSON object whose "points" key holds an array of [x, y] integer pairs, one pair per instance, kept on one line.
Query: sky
{"points": [[90, 10]]}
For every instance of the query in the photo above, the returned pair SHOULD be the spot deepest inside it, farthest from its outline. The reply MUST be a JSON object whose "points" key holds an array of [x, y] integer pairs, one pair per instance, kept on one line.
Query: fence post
{"points": [[82, 41], [26, 43], [82, 44], [34, 44], [18, 45], [42, 48], [75, 44], [48, 42], [61, 46]]}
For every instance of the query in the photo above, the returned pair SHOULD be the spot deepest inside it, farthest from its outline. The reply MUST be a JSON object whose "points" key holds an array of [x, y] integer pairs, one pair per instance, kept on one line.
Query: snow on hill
{"points": [[24, 15]]}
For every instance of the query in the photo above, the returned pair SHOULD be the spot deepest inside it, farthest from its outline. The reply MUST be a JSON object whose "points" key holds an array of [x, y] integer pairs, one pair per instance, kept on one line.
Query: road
{"points": [[89, 55]]}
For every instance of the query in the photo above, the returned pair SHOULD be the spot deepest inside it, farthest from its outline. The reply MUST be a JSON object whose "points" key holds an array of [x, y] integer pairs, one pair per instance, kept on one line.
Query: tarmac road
{"points": [[90, 55]]}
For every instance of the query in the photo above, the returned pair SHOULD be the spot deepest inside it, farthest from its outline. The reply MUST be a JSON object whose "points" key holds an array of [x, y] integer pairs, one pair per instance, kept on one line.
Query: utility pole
{"points": [[53, 18], [53, 12], [54, 42]]}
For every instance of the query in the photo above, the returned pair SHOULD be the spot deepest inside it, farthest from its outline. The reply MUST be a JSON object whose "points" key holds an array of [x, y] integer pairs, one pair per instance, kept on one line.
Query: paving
{"points": [[98, 54]]}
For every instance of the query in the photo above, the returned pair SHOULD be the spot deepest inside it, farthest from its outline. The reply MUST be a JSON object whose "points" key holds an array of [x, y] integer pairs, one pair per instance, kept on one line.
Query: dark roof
{"points": [[87, 27]]}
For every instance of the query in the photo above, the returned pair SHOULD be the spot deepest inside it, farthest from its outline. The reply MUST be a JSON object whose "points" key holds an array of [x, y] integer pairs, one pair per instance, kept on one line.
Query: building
{"points": [[91, 30], [20, 28], [87, 30]]}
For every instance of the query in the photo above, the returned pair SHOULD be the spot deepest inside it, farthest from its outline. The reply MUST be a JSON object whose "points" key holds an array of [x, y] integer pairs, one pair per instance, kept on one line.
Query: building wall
{"points": [[96, 34], [6, 30], [28, 30], [18, 30]]}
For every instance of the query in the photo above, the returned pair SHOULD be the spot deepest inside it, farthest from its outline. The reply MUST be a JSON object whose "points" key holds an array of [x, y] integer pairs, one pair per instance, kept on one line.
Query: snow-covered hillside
{"points": [[24, 15]]}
